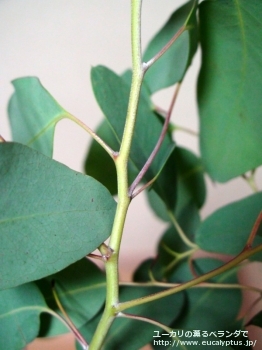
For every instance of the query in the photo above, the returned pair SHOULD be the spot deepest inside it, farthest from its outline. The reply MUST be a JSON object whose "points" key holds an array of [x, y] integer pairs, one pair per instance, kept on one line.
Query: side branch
{"points": [[253, 232], [200, 285], [232, 263], [148, 64], [157, 146]]}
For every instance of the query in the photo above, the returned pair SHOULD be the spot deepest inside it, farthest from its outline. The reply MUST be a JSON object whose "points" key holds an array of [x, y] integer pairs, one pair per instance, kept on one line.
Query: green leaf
{"points": [[172, 66], [127, 334], [209, 309], [230, 87], [112, 94], [166, 183], [226, 230], [158, 206], [20, 309], [33, 114], [191, 183], [50, 215], [80, 289], [98, 163]]}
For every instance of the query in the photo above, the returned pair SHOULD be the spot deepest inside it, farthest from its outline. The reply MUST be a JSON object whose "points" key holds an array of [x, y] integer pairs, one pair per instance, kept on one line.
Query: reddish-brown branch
{"points": [[157, 146], [253, 232]]}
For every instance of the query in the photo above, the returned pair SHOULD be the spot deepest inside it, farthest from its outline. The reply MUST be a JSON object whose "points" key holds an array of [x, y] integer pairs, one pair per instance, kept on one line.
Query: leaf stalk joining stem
{"points": [[102, 143]]}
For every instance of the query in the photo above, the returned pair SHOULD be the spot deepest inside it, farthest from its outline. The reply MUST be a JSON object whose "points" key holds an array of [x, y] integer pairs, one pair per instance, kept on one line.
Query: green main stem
{"points": [[121, 161], [113, 308]]}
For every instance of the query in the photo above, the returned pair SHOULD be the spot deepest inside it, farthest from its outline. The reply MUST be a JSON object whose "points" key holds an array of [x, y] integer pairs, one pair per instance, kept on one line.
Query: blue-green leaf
{"points": [[81, 290], [171, 67], [20, 310], [226, 230], [230, 87], [33, 114], [98, 163], [50, 215]]}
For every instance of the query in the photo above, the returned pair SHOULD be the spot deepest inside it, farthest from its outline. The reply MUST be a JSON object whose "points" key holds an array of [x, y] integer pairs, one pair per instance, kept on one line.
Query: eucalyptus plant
{"points": [[52, 219]]}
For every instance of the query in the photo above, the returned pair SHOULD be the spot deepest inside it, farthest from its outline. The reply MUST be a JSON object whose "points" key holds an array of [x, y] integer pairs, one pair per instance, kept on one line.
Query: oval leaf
{"points": [[191, 183], [171, 67], [226, 230], [33, 114], [98, 163], [81, 289], [20, 309], [50, 215], [157, 205], [230, 87]]}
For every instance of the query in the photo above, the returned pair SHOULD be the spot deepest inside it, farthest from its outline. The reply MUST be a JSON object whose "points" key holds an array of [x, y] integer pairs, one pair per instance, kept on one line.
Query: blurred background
{"points": [[59, 41]]}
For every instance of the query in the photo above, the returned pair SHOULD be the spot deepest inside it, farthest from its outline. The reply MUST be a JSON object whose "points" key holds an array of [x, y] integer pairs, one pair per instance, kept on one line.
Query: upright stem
{"points": [[121, 161]]}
